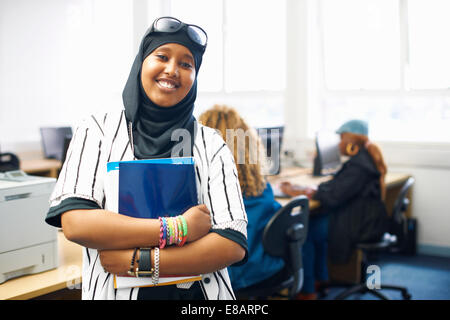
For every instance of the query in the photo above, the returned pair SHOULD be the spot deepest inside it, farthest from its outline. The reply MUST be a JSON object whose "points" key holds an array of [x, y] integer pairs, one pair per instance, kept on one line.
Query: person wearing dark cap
{"points": [[351, 206], [158, 99]]}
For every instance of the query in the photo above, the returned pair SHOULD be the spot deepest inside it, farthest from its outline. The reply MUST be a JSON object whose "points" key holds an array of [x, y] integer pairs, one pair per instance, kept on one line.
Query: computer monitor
{"points": [[328, 156], [66, 144], [53, 141], [272, 138]]}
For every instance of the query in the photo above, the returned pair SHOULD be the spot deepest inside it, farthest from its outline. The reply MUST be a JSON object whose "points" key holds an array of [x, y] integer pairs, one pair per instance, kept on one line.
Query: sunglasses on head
{"points": [[171, 25]]}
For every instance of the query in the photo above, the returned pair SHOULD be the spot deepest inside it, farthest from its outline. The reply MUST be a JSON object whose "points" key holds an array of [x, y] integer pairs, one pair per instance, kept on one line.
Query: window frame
{"points": [[405, 91]]}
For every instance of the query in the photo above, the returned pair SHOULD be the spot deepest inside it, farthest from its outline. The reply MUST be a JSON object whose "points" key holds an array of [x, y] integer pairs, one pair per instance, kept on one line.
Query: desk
{"points": [[303, 176], [351, 271], [300, 176], [67, 274], [41, 167]]}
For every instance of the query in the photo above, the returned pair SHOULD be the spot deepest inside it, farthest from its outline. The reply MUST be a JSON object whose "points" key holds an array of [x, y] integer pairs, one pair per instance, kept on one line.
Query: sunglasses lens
{"points": [[167, 25], [197, 35]]}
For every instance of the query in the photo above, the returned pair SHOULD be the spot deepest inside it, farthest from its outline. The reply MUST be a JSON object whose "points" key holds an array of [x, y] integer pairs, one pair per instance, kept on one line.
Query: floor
{"points": [[426, 277]]}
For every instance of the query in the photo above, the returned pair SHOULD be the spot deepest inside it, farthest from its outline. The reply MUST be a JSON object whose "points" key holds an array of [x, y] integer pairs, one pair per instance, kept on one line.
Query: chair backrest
{"points": [[285, 234], [9, 162], [398, 224], [402, 202]]}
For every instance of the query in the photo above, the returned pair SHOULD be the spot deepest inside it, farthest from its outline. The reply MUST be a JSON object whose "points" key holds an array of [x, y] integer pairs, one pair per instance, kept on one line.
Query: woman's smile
{"points": [[167, 84]]}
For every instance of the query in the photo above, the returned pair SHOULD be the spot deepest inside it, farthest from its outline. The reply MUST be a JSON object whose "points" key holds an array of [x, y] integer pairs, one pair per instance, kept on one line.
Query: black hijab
{"points": [[153, 125]]}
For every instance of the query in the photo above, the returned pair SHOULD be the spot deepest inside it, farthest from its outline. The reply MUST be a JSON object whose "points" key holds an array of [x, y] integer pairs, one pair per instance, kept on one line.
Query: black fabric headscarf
{"points": [[152, 124]]}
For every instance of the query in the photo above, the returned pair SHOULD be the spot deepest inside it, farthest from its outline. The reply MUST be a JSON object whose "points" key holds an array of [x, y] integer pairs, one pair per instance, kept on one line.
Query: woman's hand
{"points": [[117, 261], [290, 189], [309, 192], [198, 222], [295, 190]]}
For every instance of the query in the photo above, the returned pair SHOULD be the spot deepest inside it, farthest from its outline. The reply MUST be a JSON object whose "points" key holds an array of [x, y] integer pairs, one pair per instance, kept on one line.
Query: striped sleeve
{"points": [[82, 173], [224, 193]]}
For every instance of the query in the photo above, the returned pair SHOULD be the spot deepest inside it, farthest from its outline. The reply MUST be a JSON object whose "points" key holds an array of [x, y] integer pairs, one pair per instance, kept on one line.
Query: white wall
{"points": [[430, 166], [60, 61]]}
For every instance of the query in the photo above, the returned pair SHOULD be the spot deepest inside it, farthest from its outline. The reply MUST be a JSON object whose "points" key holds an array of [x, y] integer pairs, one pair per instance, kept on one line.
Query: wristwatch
{"points": [[145, 266]]}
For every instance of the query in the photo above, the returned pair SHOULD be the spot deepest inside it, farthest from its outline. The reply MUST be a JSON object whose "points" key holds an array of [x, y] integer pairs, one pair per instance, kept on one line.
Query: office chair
{"points": [[9, 162], [283, 237], [367, 248], [398, 224]]}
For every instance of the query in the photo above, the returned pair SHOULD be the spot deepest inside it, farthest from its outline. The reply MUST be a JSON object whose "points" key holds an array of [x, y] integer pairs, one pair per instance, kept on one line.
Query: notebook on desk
{"points": [[277, 193]]}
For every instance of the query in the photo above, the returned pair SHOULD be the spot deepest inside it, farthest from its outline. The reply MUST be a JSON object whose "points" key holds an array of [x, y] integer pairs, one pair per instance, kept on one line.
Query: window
{"points": [[244, 64], [246, 52], [255, 45], [209, 17], [361, 42], [386, 61], [429, 63]]}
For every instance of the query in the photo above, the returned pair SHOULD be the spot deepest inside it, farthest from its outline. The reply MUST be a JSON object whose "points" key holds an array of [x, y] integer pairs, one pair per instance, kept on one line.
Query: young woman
{"points": [[259, 201], [352, 208], [159, 99]]}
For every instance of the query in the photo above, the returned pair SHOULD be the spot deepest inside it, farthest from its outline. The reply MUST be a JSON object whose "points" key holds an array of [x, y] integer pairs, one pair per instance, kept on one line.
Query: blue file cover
{"points": [[150, 189], [156, 187]]}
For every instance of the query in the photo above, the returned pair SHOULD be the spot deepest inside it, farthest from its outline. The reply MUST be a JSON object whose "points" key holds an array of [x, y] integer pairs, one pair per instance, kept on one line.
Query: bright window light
{"points": [[361, 44], [208, 15], [429, 27], [255, 45]]}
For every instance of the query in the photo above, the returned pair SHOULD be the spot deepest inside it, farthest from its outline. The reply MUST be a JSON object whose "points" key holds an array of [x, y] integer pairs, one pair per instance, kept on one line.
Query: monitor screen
{"points": [[328, 155], [53, 141], [66, 144], [272, 138]]}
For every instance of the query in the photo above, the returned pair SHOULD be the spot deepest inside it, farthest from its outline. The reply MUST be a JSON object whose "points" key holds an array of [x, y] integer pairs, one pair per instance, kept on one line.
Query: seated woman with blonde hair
{"points": [[258, 197]]}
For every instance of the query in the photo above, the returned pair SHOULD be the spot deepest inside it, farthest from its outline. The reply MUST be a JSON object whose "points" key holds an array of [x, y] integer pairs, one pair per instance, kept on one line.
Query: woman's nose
{"points": [[172, 68]]}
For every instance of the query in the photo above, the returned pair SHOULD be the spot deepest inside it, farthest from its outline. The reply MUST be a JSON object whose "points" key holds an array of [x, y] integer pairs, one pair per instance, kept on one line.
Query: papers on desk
{"points": [[277, 193]]}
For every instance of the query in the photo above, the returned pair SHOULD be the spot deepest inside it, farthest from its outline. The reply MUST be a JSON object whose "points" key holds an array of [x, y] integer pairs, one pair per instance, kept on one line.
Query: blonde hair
{"points": [[224, 118], [375, 152]]}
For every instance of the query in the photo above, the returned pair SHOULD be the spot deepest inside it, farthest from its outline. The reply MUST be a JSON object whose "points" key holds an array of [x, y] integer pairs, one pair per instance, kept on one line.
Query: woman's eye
{"points": [[162, 57], [186, 65]]}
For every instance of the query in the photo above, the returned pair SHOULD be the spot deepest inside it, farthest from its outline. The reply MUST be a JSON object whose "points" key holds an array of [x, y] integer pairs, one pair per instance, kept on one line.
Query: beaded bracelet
{"points": [[167, 231], [162, 231], [180, 231], [184, 225], [131, 271], [172, 231], [175, 227]]}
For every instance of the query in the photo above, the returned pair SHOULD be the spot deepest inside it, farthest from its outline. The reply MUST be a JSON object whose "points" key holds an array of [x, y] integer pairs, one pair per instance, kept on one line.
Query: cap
{"points": [[354, 126]]}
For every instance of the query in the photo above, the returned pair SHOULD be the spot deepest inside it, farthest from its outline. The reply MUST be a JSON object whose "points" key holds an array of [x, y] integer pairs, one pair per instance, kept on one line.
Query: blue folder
{"points": [[156, 187]]}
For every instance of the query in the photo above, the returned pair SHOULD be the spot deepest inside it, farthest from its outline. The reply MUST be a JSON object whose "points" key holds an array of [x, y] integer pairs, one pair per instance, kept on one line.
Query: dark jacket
{"points": [[353, 199]]}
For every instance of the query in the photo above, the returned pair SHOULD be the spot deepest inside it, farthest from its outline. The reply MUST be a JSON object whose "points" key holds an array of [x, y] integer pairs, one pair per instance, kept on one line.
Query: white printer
{"points": [[27, 244]]}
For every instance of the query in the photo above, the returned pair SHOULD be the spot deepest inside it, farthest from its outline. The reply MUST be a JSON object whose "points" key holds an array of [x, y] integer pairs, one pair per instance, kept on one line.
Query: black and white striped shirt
{"points": [[100, 139]]}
